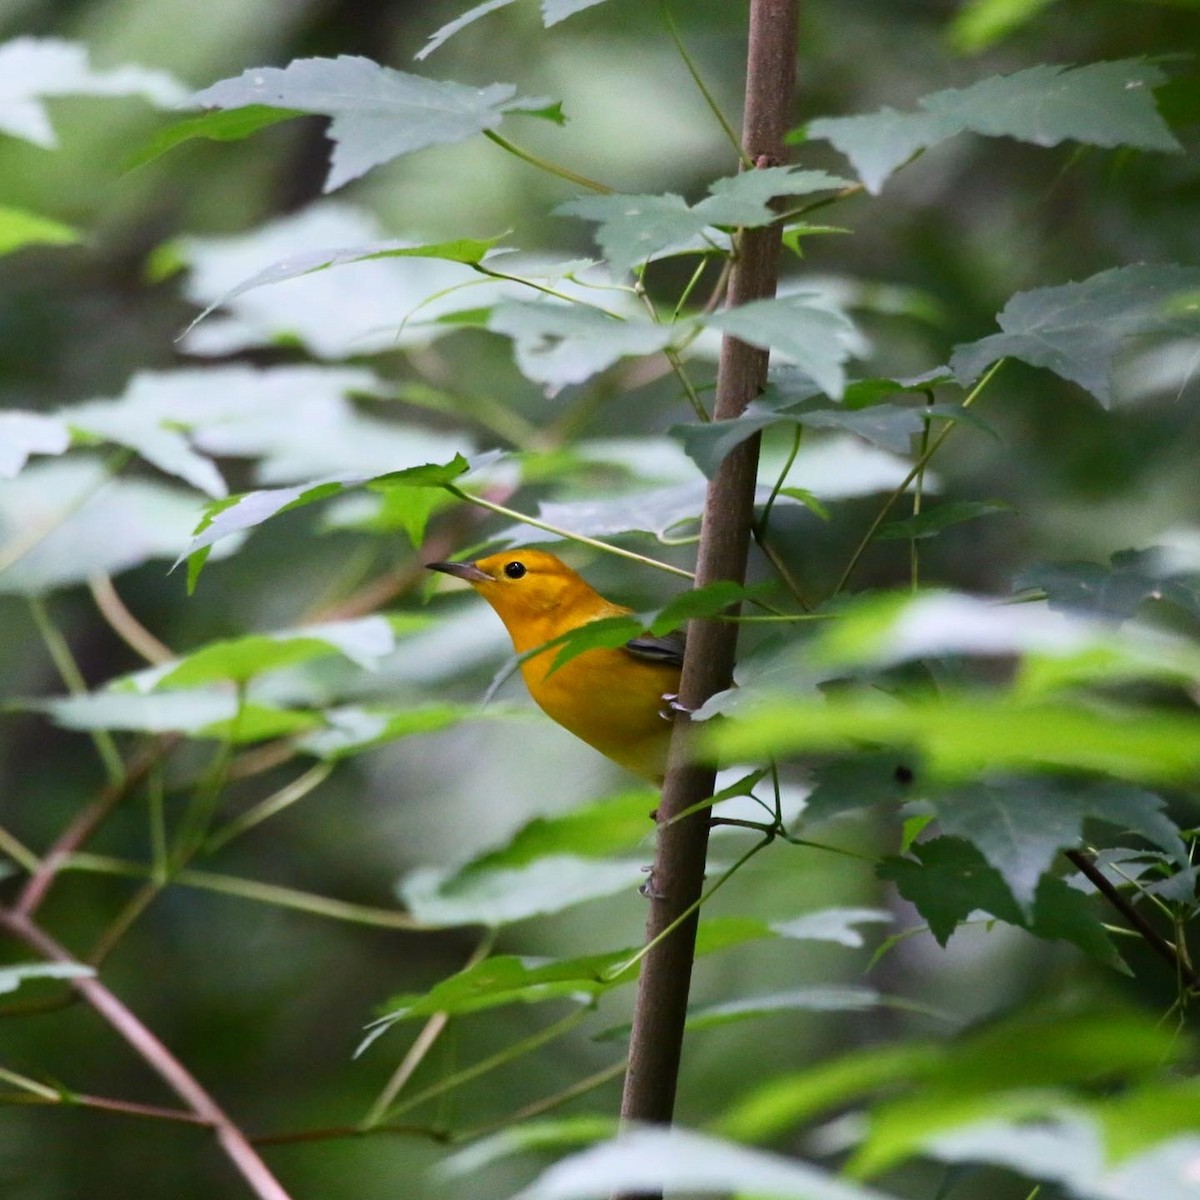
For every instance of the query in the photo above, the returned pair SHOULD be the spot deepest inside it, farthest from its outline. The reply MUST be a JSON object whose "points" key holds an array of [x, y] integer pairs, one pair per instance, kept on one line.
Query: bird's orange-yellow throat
{"points": [[611, 698]]}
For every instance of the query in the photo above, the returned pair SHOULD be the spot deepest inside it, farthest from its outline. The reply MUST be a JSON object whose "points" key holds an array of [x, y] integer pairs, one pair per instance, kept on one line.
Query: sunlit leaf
{"points": [[806, 328], [444, 897], [461, 250], [34, 69], [62, 522], [353, 729], [559, 344], [364, 641], [833, 925], [1101, 104], [961, 734], [1078, 330], [19, 227], [377, 113], [220, 126], [197, 713], [26, 433], [633, 229], [817, 998], [651, 1160]]}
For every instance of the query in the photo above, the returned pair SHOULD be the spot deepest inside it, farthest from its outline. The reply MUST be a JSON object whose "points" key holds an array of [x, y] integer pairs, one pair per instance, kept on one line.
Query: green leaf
{"points": [[963, 733], [856, 782], [353, 729], [981, 24], [528, 1135], [507, 979], [447, 31], [594, 830], [932, 521], [1101, 104], [26, 433], [443, 897], [377, 113], [231, 126], [196, 713], [633, 229], [817, 998], [644, 1161], [1007, 1069], [461, 250], [1019, 825], [805, 327], [36, 68], [946, 880], [86, 523], [364, 641], [11, 977], [1078, 330], [1114, 592], [238, 513], [832, 925], [19, 227], [779, 1105], [559, 344]]}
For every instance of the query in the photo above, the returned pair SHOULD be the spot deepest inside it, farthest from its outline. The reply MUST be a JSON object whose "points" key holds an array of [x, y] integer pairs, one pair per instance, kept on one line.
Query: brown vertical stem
{"points": [[678, 873]]}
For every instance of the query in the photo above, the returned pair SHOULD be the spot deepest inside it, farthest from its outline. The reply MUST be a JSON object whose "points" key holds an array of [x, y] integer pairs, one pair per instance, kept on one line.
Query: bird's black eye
{"points": [[514, 570]]}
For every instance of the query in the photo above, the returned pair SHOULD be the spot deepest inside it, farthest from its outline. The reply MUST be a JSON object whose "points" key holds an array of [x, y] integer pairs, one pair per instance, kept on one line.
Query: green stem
{"points": [[713, 106], [502, 1058], [558, 531], [914, 556], [68, 669], [18, 852], [422, 1044], [617, 971], [543, 164], [252, 889], [284, 798], [918, 467]]}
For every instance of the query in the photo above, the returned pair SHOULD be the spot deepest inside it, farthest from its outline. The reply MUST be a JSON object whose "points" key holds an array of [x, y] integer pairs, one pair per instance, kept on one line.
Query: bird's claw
{"points": [[648, 889], [671, 707]]}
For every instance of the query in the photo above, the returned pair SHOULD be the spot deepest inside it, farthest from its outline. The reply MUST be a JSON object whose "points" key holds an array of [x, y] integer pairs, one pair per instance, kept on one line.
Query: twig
{"points": [[147, 1046], [84, 825], [1154, 939], [124, 624]]}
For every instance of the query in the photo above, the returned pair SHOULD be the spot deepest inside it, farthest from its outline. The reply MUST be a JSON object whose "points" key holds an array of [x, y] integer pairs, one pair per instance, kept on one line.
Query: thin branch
{"points": [[68, 669], [84, 825], [147, 1046], [917, 469], [253, 889], [124, 624], [543, 164], [1159, 944], [422, 1044], [558, 530]]}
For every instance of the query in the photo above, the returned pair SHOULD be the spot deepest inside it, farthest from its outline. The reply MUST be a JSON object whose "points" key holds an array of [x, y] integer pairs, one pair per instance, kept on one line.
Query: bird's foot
{"points": [[671, 707]]}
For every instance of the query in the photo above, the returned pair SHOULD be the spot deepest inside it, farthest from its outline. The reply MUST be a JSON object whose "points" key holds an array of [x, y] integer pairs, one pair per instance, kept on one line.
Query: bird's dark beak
{"points": [[463, 570]]}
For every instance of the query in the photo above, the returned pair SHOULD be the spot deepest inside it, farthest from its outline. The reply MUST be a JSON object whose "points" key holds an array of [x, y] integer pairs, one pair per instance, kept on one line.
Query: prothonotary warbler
{"points": [[617, 700]]}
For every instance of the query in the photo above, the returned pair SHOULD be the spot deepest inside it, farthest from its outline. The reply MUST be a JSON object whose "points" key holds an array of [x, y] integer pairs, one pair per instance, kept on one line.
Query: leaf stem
{"points": [[709, 99], [543, 164], [558, 531], [422, 1044], [902, 487], [68, 669]]}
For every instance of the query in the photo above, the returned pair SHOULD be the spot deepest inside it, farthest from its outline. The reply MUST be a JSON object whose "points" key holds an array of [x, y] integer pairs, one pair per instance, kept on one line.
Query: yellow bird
{"points": [[618, 700]]}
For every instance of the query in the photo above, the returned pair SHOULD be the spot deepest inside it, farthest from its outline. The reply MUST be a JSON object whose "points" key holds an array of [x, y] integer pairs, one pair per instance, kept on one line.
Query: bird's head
{"points": [[522, 583]]}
